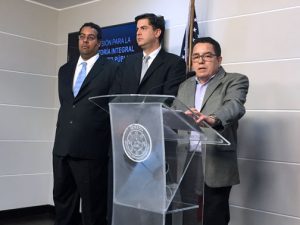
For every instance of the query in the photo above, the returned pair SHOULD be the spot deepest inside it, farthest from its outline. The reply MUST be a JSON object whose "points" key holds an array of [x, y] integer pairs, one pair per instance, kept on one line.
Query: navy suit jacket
{"points": [[163, 76], [83, 128]]}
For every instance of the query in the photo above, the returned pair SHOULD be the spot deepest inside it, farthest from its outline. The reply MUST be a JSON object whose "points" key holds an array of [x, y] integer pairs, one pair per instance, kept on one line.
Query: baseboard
{"points": [[28, 211]]}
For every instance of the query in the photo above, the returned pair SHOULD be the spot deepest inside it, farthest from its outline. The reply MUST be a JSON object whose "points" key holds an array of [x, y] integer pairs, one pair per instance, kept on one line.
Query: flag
{"points": [[191, 33]]}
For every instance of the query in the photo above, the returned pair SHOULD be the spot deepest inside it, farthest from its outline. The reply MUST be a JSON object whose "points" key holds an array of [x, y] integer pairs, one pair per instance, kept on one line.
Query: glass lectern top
{"points": [[129, 98], [174, 120]]}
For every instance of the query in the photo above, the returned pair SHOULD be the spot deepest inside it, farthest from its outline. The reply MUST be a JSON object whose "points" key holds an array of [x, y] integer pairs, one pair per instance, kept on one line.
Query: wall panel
{"points": [[268, 186], [25, 123], [27, 89], [25, 157], [24, 191], [241, 216], [222, 9], [28, 20], [274, 85], [263, 136], [26, 55], [257, 37]]}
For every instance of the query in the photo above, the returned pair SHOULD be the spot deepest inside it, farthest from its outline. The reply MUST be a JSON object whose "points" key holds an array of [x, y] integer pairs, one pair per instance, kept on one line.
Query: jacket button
{"points": [[74, 106], [71, 122]]}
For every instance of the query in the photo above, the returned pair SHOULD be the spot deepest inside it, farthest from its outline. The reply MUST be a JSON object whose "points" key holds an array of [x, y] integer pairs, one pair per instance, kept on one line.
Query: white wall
{"points": [[28, 37], [258, 38]]}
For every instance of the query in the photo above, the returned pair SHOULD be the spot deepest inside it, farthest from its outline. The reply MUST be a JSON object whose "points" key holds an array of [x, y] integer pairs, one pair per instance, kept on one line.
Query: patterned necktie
{"points": [[80, 79], [144, 66]]}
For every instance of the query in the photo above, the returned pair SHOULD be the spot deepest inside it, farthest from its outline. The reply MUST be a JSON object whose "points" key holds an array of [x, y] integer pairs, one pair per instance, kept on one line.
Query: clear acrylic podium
{"points": [[153, 145]]}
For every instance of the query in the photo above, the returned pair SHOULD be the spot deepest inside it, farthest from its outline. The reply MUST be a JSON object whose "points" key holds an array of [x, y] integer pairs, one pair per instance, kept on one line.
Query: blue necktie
{"points": [[80, 79]]}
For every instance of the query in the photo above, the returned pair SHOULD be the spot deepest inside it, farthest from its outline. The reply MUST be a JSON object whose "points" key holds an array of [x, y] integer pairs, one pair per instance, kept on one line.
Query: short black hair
{"points": [[94, 26], [157, 22], [215, 44]]}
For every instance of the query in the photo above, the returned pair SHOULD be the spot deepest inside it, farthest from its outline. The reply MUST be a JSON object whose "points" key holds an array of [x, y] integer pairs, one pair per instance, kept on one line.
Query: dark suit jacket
{"points": [[83, 128], [163, 76], [225, 97]]}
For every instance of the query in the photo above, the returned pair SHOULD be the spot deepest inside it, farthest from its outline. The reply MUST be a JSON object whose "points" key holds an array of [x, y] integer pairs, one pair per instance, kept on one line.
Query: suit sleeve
{"points": [[116, 87], [233, 107], [60, 86], [175, 75]]}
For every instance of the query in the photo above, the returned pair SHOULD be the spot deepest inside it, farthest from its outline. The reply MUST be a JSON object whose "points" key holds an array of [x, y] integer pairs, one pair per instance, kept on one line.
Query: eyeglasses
{"points": [[82, 37], [208, 57]]}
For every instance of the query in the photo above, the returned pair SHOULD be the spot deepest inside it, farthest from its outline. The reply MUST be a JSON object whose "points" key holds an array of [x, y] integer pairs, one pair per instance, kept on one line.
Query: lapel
{"points": [[137, 65], [94, 72], [69, 79], [159, 59], [214, 83], [189, 93]]}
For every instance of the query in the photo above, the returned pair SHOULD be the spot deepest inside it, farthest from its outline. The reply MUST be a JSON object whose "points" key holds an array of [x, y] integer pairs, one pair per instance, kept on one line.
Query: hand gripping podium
{"points": [[153, 145]]}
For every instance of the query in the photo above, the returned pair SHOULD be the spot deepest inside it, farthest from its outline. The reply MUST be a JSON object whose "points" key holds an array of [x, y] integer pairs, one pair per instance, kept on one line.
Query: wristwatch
{"points": [[216, 119]]}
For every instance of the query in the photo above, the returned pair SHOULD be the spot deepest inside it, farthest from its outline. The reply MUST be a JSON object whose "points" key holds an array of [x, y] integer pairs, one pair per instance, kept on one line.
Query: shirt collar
{"points": [[154, 53], [197, 82], [90, 61]]}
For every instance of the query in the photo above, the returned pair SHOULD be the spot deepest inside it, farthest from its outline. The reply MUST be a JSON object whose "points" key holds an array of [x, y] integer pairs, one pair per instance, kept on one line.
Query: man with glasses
{"points": [[82, 135], [218, 98]]}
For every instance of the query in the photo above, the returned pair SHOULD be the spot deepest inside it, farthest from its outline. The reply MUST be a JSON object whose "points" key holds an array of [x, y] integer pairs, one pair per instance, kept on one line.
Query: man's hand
{"points": [[199, 117]]}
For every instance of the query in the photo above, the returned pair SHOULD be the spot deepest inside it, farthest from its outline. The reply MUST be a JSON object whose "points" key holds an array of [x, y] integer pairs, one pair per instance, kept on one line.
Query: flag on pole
{"points": [[191, 33]]}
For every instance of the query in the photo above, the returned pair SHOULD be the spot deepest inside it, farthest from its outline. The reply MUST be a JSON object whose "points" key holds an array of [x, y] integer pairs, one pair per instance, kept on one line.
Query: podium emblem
{"points": [[137, 142]]}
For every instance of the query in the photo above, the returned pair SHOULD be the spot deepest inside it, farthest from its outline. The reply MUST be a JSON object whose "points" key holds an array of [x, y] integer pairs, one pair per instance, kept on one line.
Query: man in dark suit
{"points": [[218, 98], [82, 135], [164, 71], [153, 71]]}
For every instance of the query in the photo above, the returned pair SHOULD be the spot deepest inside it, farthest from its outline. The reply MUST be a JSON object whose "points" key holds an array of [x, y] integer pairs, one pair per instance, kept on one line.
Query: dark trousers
{"points": [[215, 210], [216, 205], [76, 179], [110, 191]]}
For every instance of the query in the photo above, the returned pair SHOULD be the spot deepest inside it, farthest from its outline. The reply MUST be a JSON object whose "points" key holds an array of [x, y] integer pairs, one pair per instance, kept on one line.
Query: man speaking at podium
{"points": [[218, 98]]}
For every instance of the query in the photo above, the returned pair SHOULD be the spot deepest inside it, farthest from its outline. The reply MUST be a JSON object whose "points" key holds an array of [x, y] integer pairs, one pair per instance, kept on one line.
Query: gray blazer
{"points": [[225, 97]]}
